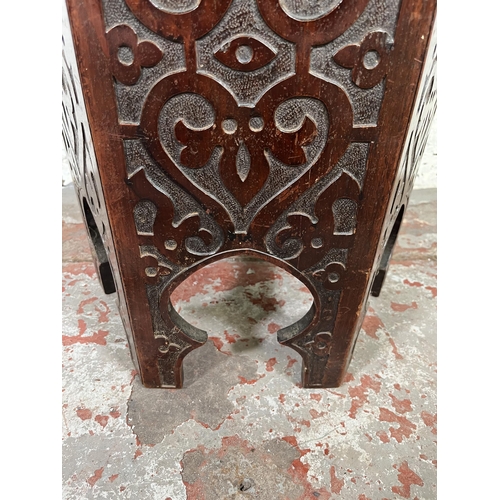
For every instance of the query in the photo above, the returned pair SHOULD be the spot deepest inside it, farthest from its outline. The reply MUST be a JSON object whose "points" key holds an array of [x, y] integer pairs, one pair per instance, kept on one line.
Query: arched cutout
{"points": [[242, 300], [386, 256], [99, 252]]}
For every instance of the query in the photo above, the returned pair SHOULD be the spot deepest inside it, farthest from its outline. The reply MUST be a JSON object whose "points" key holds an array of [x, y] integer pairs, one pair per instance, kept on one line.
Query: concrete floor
{"points": [[243, 427]]}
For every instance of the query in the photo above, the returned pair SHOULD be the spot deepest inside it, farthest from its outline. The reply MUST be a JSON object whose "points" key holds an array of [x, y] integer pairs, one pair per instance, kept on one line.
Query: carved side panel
{"points": [[416, 138], [82, 160], [246, 124], [224, 117]]}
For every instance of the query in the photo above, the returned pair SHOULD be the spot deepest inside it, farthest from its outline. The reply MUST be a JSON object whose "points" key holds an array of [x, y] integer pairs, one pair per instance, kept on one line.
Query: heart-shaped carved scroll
{"points": [[197, 115]]}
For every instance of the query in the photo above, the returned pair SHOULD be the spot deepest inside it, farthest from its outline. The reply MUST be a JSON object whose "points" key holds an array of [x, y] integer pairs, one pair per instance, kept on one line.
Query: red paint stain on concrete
{"points": [[243, 380], [317, 397], [336, 484], [273, 327], [103, 313], [115, 414], [397, 387], [97, 338], [291, 362], [403, 307], [405, 426], [395, 349], [84, 413], [383, 436], [363, 497], [407, 478], [359, 393], [82, 326], [430, 420], [371, 324], [231, 339], [316, 414], [433, 290], [270, 364], [265, 302], [138, 453], [223, 276], [401, 405], [281, 398], [195, 490], [217, 343], [83, 303], [298, 471], [412, 283], [97, 475], [349, 377], [102, 420], [113, 477], [74, 269]]}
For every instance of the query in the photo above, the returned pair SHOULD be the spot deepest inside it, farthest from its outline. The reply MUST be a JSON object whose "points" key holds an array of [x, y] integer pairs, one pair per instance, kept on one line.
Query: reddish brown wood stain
{"points": [[114, 194]]}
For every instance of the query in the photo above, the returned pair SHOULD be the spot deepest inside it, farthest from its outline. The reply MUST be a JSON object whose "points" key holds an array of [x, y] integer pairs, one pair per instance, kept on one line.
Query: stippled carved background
{"points": [[247, 125]]}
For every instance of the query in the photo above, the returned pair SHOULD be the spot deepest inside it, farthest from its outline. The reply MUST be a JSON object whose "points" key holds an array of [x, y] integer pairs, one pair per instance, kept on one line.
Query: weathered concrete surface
{"points": [[243, 426]]}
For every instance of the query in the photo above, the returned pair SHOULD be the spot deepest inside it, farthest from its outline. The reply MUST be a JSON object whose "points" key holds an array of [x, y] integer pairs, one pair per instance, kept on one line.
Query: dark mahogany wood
{"points": [[287, 130]]}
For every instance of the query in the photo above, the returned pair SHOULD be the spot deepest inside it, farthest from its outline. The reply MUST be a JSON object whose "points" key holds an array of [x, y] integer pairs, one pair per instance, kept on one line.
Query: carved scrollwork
{"points": [[197, 114], [272, 57], [128, 56], [320, 344], [184, 205], [330, 270], [353, 163], [368, 60], [229, 107], [379, 16]]}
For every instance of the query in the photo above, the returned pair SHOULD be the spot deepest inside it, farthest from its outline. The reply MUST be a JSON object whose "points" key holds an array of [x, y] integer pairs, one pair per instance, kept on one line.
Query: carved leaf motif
{"points": [[243, 162]]}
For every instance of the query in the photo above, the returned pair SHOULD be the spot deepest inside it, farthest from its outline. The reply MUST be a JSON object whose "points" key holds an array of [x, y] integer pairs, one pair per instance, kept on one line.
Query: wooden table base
{"points": [[287, 130]]}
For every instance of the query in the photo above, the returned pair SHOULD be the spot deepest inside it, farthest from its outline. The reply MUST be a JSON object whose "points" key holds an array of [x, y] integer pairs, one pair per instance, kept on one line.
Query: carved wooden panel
{"points": [[254, 126]]}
